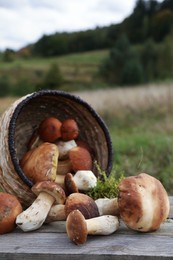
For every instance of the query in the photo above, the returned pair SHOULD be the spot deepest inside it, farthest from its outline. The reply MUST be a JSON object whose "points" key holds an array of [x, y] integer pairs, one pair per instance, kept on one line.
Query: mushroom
{"points": [[108, 206], [80, 158], [64, 148], [64, 167], [79, 201], [105, 207], [69, 129], [78, 227], [49, 129], [10, 207], [40, 164], [81, 180], [143, 202], [47, 192], [56, 213], [82, 202], [60, 180]]}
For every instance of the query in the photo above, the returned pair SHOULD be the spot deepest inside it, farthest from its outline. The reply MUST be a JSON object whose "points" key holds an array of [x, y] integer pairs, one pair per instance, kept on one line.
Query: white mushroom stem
{"points": [[85, 180], [56, 213], [60, 180], [103, 225], [34, 216], [107, 206], [64, 167], [65, 147]]}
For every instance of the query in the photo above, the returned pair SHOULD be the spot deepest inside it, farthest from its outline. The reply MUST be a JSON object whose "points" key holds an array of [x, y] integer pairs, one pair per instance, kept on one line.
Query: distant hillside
{"points": [[149, 19]]}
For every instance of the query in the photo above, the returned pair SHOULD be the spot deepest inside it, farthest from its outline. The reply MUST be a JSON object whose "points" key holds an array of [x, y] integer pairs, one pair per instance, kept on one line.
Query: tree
{"points": [[53, 78], [122, 66], [162, 23], [8, 55], [149, 59]]}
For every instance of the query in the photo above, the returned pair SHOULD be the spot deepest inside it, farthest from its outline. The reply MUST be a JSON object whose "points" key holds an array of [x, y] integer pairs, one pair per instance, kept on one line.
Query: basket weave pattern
{"points": [[9, 180]]}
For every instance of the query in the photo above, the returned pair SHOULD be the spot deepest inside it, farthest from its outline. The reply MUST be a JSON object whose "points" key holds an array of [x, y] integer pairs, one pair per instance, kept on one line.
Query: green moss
{"points": [[107, 186]]}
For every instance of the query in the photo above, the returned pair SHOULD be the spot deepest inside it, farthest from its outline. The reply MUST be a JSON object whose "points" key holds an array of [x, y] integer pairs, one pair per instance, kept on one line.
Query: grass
{"points": [[85, 58], [140, 121], [78, 70]]}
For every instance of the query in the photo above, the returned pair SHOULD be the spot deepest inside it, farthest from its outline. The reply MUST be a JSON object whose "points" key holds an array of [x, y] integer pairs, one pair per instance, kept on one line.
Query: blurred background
{"points": [[116, 55]]}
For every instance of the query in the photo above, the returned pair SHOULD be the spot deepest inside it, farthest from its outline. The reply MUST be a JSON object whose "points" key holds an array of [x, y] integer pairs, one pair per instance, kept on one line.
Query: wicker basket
{"points": [[20, 120]]}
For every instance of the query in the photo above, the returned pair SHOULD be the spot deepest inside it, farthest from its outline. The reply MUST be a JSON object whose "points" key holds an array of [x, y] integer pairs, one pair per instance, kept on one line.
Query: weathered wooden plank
{"points": [[116, 246]]}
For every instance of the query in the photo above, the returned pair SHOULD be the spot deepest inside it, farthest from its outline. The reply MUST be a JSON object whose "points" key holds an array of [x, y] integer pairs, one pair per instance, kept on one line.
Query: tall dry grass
{"points": [[122, 100], [5, 103]]}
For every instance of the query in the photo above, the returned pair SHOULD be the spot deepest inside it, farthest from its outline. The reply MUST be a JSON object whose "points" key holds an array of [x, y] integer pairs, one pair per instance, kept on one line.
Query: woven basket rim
{"points": [[77, 99]]}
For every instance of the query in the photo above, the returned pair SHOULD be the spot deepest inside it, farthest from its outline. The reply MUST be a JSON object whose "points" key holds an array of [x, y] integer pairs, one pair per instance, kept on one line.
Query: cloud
{"points": [[25, 21], [8, 4]]}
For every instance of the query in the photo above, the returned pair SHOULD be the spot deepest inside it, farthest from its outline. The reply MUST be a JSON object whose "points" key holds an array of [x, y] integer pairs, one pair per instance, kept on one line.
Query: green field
{"points": [[79, 70]]}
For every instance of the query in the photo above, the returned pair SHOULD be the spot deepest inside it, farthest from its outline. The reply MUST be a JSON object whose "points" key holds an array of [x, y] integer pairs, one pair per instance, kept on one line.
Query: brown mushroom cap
{"points": [[80, 158], [69, 129], [70, 185], [10, 207], [49, 129], [40, 163], [76, 227], [85, 204], [51, 188], [143, 202]]}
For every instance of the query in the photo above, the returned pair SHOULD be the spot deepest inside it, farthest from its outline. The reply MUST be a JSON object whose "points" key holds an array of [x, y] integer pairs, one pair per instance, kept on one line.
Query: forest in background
{"points": [[137, 51]]}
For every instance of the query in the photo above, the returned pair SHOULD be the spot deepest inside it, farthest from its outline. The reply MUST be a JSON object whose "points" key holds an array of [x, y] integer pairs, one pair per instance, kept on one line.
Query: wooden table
{"points": [[51, 242]]}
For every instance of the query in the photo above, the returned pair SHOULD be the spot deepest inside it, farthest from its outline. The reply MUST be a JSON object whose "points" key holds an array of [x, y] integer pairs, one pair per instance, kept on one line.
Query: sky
{"points": [[25, 21]]}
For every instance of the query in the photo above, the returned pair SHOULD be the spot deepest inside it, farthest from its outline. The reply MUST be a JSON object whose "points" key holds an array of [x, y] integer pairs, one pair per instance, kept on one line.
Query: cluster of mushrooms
{"points": [[59, 165]]}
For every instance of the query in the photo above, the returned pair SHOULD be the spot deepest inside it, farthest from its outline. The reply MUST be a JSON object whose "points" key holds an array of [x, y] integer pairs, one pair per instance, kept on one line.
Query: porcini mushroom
{"points": [[69, 129], [40, 163], [80, 158], [82, 202], [81, 180], [107, 206], [78, 227], [64, 148], [48, 193], [10, 207], [143, 202], [74, 201], [64, 167], [49, 129], [56, 213]]}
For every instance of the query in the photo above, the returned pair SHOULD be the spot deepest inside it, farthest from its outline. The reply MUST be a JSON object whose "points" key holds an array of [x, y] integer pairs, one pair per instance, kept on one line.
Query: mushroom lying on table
{"points": [[82, 202], [108, 206], [10, 207], [48, 193], [86, 205], [105, 207], [78, 227], [143, 202]]}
